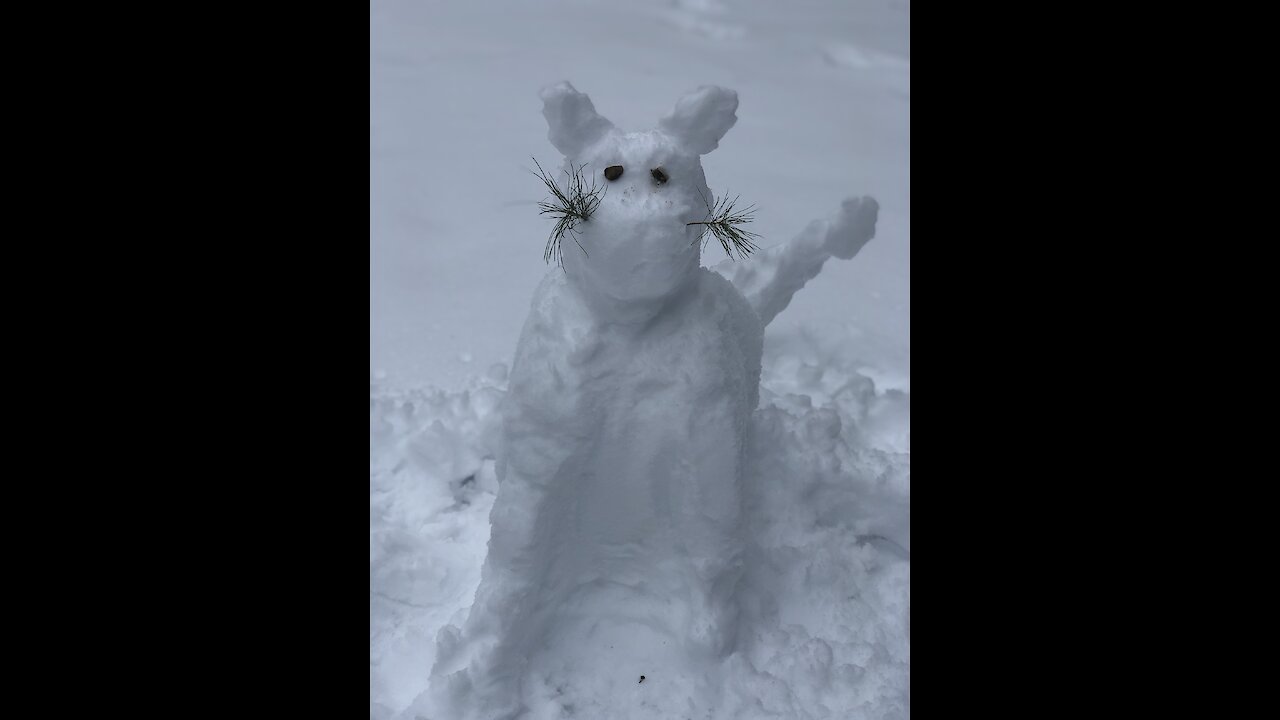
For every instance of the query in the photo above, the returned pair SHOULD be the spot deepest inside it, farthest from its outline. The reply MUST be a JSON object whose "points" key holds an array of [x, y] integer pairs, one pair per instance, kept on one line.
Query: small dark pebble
{"points": [[658, 175], [613, 172]]}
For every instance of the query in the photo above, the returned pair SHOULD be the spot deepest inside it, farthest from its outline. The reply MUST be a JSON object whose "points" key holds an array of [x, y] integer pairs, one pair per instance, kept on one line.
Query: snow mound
{"points": [[824, 630], [431, 486], [653, 521]]}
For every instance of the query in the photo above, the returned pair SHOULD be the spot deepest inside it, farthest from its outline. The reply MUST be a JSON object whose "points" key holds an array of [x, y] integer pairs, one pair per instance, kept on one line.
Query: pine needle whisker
{"points": [[568, 206], [724, 222]]}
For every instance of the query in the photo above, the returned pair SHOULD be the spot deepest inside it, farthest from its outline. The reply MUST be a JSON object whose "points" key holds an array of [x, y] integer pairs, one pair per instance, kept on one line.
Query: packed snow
{"points": [[689, 470], [825, 598]]}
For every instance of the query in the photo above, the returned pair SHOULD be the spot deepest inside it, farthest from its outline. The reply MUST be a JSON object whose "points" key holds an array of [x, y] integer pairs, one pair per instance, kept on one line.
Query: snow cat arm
{"points": [[771, 277]]}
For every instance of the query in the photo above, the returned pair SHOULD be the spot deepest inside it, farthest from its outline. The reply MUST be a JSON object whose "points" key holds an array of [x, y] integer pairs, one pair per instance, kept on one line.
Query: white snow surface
{"points": [[454, 117], [825, 597], [796, 604], [618, 532]]}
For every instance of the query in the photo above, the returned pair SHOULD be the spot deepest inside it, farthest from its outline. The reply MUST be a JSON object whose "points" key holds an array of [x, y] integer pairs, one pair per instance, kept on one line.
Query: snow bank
{"points": [[825, 596], [652, 521], [430, 492]]}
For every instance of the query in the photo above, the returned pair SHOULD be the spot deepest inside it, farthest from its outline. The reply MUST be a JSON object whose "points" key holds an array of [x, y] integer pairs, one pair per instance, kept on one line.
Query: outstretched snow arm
{"points": [[769, 278]]}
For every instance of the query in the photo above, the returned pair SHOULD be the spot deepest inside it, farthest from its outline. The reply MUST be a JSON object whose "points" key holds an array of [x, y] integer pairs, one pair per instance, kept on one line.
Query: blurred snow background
{"points": [[455, 253]]}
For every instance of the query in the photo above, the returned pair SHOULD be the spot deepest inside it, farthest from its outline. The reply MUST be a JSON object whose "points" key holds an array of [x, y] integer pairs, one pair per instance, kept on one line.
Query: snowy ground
{"points": [[455, 253]]}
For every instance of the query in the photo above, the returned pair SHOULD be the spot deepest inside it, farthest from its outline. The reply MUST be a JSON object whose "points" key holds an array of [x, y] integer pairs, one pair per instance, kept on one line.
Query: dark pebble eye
{"points": [[659, 175], [613, 172]]}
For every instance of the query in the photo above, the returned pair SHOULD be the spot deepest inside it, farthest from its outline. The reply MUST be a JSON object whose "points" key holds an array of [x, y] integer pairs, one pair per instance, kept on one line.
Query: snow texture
{"points": [[824, 627], [700, 119], [454, 117], [622, 514], [619, 515], [817, 624], [771, 279], [574, 124]]}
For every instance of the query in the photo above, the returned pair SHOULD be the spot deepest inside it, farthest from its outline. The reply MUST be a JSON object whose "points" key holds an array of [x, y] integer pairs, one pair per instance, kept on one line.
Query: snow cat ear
{"points": [[701, 118], [574, 125]]}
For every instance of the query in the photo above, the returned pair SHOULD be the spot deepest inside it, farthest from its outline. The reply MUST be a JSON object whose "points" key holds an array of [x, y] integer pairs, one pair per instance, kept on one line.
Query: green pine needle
{"points": [[724, 221], [569, 206]]}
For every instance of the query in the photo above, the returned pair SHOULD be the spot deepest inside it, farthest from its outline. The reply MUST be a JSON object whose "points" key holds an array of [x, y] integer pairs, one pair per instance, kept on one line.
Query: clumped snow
{"points": [[826, 593], [778, 584], [619, 530]]}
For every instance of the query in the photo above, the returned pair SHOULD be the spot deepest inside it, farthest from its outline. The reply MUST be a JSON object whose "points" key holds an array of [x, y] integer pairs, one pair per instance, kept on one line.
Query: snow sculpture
{"points": [[617, 532]]}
